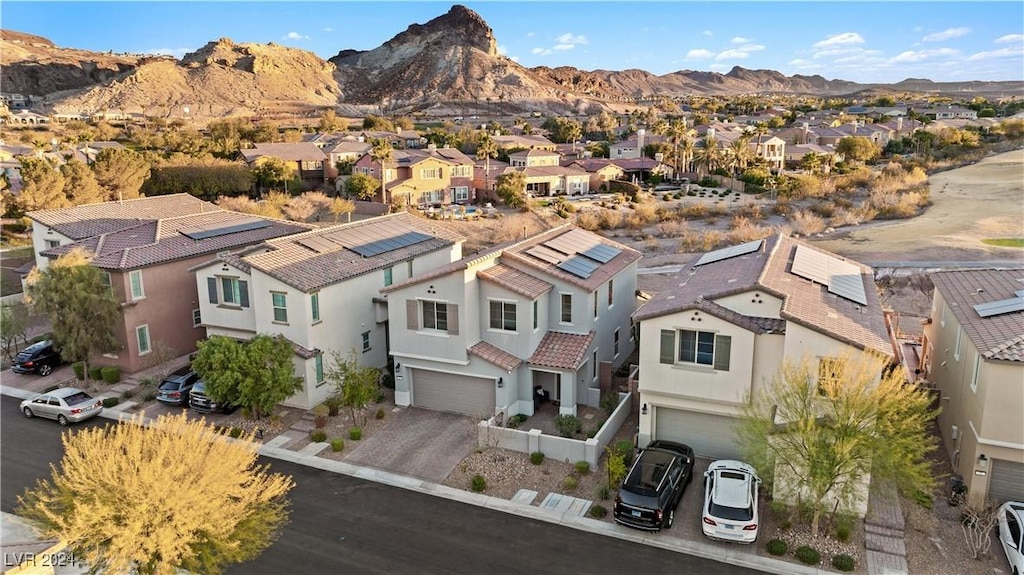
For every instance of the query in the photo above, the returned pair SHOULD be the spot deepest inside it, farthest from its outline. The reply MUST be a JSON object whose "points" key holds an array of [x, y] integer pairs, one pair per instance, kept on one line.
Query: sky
{"points": [[865, 42]]}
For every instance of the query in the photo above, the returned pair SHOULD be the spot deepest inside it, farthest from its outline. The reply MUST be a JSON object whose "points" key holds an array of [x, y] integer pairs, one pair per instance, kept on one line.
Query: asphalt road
{"points": [[339, 524]]}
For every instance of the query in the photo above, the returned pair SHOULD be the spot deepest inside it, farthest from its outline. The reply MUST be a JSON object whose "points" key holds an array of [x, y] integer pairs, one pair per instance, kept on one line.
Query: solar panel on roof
{"points": [[547, 254], [318, 244], [810, 264], [849, 286], [1000, 307], [383, 245], [601, 253], [841, 278], [573, 242], [729, 252], [233, 228], [579, 266]]}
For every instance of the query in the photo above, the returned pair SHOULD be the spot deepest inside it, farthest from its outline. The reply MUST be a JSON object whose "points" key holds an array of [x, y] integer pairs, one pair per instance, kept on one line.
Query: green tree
{"points": [[811, 162], [341, 206], [207, 178], [170, 496], [709, 155], [361, 186], [511, 188], [356, 385], [486, 148], [80, 183], [42, 186], [269, 171], [818, 428], [14, 319], [329, 122], [79, 303], [858, 148], [256, 374], [381, 152], [121, 172]]}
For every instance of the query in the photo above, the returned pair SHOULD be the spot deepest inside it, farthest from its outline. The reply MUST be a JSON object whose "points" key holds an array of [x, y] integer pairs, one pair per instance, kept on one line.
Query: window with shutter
{"points": [[723, 350], [412, 310], [243, 292], [668, 346], [211, 286]]}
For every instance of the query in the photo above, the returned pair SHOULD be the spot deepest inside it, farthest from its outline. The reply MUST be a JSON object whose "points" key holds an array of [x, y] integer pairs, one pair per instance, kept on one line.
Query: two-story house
{"points": [[422, 177], [310, 163], [493, 331], [974, 353], [728, 321], [320, 290], [145, 247]]}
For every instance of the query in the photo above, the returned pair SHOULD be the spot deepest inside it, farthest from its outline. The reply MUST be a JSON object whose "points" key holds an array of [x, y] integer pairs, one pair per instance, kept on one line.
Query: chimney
{"points": [[431, 147], [711, 132], [807, 128], [640, 140], [899, 123]]}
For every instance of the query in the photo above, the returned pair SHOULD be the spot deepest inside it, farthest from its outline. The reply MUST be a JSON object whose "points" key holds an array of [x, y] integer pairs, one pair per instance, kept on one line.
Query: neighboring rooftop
{"points": [[999, 336], [89, 220]]}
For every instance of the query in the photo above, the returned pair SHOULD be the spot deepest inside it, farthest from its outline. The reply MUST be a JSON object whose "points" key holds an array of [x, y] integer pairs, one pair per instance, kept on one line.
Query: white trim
{"points": [[976, 373], [430, 358], [993, 442]]}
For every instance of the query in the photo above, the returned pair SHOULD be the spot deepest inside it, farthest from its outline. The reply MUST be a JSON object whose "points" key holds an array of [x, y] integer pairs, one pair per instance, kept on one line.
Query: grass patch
{"points": [[1005, 242]]}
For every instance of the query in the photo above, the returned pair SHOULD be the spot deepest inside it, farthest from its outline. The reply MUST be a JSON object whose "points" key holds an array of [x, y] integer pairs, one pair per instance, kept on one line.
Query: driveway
{"points": [[36, 383], [419, 442]]}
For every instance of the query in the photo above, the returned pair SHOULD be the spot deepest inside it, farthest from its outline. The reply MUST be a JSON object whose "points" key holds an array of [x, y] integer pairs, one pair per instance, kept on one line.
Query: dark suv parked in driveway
{"points": [[38, 358], [654, 486], [199, 401], [175, 387]]}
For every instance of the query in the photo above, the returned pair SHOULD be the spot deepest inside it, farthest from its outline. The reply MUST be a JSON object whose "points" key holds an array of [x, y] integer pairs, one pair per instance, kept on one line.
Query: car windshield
{"points": [[77, 398], [170, 385], [199, 387], [731, 513], [648, 472]]}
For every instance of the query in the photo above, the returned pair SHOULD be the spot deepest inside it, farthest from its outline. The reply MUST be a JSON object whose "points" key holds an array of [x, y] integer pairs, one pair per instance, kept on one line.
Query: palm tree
{"points": [[760, 129], [739, 153], [709, 155], [686, 148], [380, 152], [676, 131], [486, 148]]}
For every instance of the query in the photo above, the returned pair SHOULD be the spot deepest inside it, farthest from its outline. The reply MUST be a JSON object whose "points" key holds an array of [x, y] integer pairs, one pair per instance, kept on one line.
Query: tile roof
{"points": [[89, 220], [301, 267], [492, 354], [804, 302], [562, 350], [515, 280], [998, 336], [599, 277], [158, 241], [297, 151]]}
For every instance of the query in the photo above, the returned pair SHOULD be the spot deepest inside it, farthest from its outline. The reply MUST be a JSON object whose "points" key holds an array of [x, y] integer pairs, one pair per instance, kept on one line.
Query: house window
{"points": [[696, 348], [503, 315], [595, 304], [977, 372], [432, 197], [142, 336], [318, 363], [234, 291], [566, 308], [312, 165], [430, 173], [105, 280], [409, 269], [536, 308], [50, 244], [435, 315], [314, 302], [366, 341], [388, 276], [611, 290], [956, 349], [280, 304], [197, 317], [135, 277], [615, 343], [942, 316], [460, 193]]}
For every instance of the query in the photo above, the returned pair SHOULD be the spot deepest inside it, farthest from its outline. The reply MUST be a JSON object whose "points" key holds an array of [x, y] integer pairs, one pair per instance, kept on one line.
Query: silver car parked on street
{"points": [[66, 405]]}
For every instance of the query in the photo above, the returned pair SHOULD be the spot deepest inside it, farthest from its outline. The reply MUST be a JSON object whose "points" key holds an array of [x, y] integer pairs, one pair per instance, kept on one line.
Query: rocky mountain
{"points": [[449, 63]]}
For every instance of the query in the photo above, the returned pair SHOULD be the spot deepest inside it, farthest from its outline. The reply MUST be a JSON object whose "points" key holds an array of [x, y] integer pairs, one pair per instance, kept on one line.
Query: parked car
{"points": [[66, 405], [652, 489], [199, 401], [730, 501], [40, 357], [1011, 534], [175, 387]]}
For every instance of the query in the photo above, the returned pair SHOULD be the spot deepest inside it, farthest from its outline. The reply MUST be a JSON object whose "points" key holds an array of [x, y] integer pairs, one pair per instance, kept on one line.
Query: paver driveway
{"points": [[418, 442]]}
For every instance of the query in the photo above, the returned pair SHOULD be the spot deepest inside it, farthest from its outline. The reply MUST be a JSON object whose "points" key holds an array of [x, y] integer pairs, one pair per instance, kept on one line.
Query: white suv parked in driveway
{"points": [[730, 502], [1011, 534]]}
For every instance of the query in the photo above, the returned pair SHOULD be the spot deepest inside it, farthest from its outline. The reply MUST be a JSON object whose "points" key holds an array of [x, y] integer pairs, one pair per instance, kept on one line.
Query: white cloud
{"points": [[731, 54], [918, 28], [531, 34], [569, 38], [563, 46], [295, 36], [751, 48], [946, 34], [708, 33], [540, 51], [1010, 38], [919, 55], [699, 54], [1008, 52], [717, 67], [328, 29], [844, 39], [176, 52], [740, 40]]}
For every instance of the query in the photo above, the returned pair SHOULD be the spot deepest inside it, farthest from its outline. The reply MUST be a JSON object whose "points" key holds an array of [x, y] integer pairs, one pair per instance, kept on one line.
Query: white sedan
{"points": [[66, 405], [730, 502], [1011, 536]]}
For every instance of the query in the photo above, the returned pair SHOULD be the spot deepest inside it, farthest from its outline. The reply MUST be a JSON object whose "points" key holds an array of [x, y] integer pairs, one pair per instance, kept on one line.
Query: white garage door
{"points": [[451, 392], [711, 436], [1007, 481]]}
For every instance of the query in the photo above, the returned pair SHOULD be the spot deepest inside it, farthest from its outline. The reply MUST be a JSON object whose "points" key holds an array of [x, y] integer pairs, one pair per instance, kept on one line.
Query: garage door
{"points": [[451, 392], [709, 435], [1007, 481]]}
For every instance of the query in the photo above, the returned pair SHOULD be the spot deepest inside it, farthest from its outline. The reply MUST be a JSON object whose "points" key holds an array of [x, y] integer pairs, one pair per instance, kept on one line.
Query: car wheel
{"points": [[28, 412], [62, 420], [45, 370]]}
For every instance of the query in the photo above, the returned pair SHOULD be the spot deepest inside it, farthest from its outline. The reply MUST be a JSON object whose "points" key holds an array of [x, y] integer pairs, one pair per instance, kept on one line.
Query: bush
{"points": [[568, 425], [321, 410], [380, 413], [318, 436], [111, 401], [843, 562], [609, 401], [844, 528], [624, 447], [333, 405], [337, 444], [355, 433], [598, 511], [235, 432], [111, 374], [79, 370], [95, 373], [808, 555], [570, 483], [537, 457], [777, 547], [150, 396], [582, 467], [479, 484], [923, 499]]}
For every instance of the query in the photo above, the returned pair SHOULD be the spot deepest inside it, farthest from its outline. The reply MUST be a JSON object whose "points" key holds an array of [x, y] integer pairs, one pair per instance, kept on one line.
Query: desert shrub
{"points": [[610, 220], [380, 413], [235, 432], [478, 483], [804, 186], [79, 369], [537, 457], [634, 222], [807, 223], [824, 209], [95, 373], [647, 213], [746, 231], [337, 444], [843, 562], [808, 555], [598, 511], [923, 499], [355, 433], [777, 547], [110, 374], [318, 436], [604, 492], [669, 228], [700, 241], [128, 394], [588, 221], [570, 483], [782, 207], [568, 425], [751, 210], [582, 467], [694, 211], [111, 401]]}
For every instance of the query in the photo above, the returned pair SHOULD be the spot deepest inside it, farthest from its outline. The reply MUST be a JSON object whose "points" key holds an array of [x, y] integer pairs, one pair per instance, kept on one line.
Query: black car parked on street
{"points": [[39, 358], [654, 486]]}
